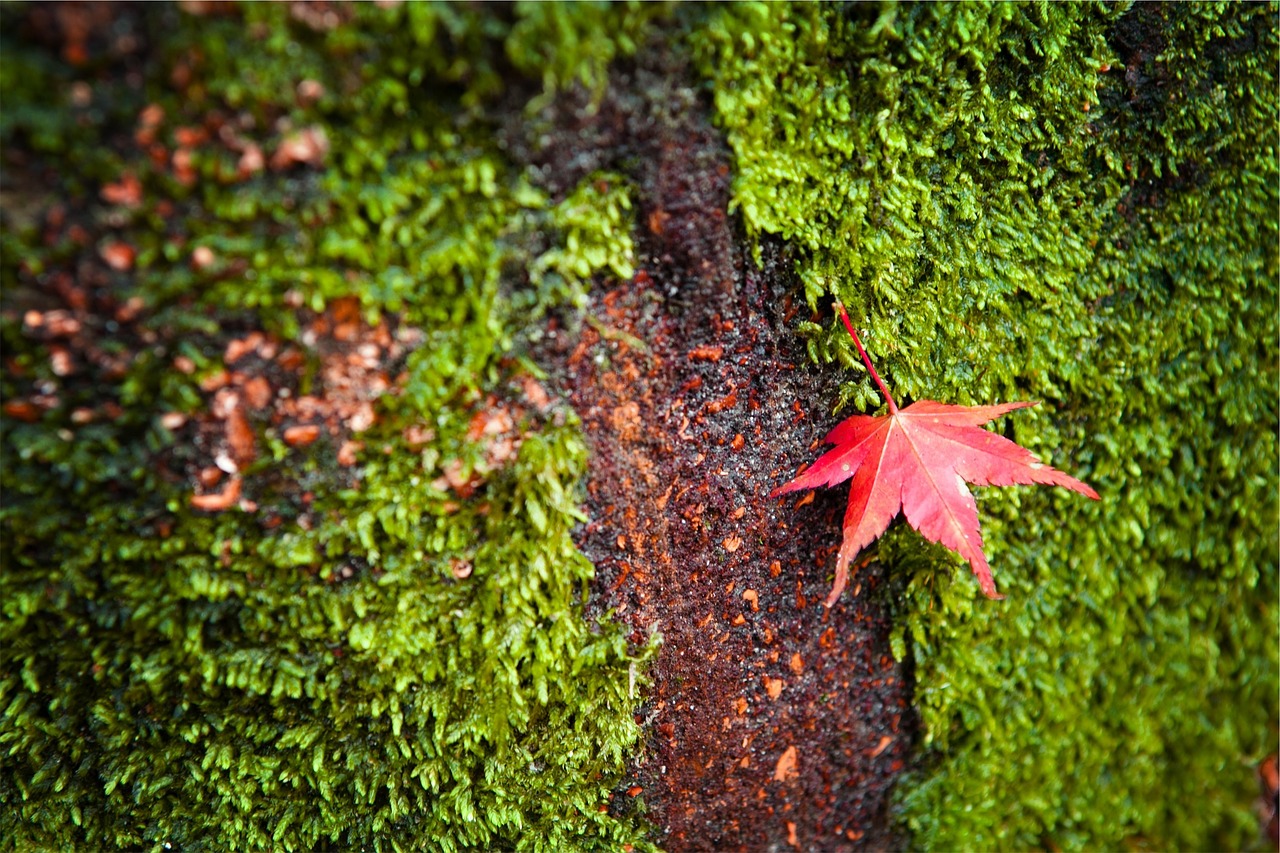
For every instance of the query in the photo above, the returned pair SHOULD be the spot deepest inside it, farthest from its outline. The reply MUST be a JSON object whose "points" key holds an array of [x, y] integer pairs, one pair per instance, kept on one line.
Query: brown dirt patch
{"points": [[772, 724]]}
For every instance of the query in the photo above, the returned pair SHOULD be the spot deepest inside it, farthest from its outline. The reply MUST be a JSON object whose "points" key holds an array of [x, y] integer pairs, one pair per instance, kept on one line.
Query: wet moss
{"points": [[1075, 204], [380, 654]]}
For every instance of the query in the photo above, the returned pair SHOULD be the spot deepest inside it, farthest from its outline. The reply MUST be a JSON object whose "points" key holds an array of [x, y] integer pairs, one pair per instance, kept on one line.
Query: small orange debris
{"points": [[773, 686], [202, 257], [347, 453], [60, 361], [190, 137], [416, 435], [257, 392], [753, 598], [535, 393], [732, 543], [184, 170], [251, 161], [117, 255], [23, 410], [797, 664], [148, 120], [728, 402], [308, 146], [310, 91], [738, 442], [213, 381], [362, 417], [791, 834], [240, 437], [658, 220], [881, 746], [788, 766], [635, 791], [240, 347], [127, 191], [460, 568], [456, 477], [706, 352], [222, 500], [301, 435]]}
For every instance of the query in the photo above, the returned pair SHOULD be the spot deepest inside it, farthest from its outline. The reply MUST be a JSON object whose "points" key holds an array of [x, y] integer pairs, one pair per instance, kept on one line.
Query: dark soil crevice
{"points": [[772, 724]]}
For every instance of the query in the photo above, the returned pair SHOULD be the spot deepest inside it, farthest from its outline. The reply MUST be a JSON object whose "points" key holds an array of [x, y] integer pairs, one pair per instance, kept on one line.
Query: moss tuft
{"points": [[1075, 204], [383, 653]]}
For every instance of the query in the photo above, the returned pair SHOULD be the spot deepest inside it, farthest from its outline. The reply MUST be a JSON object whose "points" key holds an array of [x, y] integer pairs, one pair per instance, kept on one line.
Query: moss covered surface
{"points": [[1077, 205], [287, 518], [287, 559]]}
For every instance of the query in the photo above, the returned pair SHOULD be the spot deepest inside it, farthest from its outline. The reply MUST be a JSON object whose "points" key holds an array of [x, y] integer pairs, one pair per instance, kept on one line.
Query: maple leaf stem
{"points": [[893, 407]]}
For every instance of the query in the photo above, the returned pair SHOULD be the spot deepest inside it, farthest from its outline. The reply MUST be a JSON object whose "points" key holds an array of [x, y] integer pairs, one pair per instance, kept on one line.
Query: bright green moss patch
{"points": [[389, 654], [1075, 204]]}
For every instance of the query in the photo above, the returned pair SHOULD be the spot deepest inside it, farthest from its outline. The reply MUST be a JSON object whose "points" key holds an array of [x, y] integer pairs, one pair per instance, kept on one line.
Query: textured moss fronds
{"points": [[1075, 203], [382, 645]]}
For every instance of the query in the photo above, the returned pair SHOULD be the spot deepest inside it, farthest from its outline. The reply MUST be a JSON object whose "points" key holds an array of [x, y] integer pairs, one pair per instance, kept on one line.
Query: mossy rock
{"points": [[377, 636]]}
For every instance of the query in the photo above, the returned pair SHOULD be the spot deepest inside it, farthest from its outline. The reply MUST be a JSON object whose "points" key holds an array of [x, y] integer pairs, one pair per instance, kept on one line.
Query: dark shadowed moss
{"points": [[1075, 204], [389, 656]]}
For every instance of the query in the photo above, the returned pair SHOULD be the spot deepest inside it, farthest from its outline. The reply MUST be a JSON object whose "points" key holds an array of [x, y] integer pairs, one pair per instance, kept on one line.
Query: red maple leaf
{"points": [[918, 460]]}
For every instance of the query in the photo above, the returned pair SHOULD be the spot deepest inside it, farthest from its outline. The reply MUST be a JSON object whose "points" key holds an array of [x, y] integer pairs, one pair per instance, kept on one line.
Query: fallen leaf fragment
{"points": [[238, 348], [117, 255], [301, 435], [240, 438], [706, 353], [347, 453], [773, 686], [257, 392], [23, 410], [217, 502], [309, 91], [202, 257], [788, 766], [251, 161], [126, 192], [213, 381], [535, 393], [416, 435], [307, 146]]}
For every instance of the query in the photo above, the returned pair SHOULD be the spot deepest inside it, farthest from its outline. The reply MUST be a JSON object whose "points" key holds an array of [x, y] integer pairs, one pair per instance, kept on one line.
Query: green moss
{"points": [[209, 681], [1012, 214]]}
